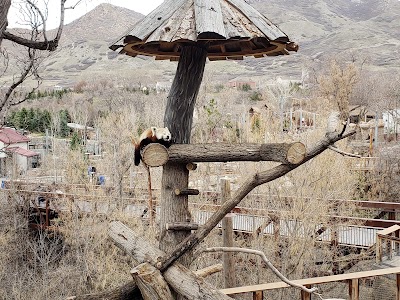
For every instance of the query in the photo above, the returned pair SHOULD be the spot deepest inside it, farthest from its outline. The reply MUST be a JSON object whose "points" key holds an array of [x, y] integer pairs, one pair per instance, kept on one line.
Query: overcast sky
{"points": [[141, 6]]}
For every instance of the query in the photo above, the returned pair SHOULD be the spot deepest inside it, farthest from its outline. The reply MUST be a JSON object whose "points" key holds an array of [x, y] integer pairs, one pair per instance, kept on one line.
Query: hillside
{"points": [[362, 29]]}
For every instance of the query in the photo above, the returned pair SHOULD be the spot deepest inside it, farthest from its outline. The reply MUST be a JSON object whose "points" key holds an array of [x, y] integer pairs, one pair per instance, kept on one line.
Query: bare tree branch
{"points": [[343, 153], [41, 16], [73, 6], [266, 260], [15, 84], [40, 45]]}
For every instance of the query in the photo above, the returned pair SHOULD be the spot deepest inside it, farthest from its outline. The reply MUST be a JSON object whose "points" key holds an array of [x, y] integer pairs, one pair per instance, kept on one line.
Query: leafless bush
{"points": [[385, 180]]}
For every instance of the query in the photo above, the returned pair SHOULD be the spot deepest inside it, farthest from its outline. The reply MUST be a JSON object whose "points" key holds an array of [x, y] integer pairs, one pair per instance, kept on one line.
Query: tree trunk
{"points": [[4, 7], [178, 118]]}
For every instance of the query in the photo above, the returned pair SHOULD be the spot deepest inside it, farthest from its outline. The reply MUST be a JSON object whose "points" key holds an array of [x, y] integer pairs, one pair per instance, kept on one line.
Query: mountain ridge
{"points": [[368, 29]]}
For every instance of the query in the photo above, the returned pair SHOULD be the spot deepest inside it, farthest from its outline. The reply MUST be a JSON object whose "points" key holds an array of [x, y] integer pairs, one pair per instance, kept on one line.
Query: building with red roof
{"points": [[15, 155]]}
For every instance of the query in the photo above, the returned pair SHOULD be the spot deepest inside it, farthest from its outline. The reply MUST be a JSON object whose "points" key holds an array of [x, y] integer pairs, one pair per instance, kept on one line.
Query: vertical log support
{"points": [[397, 286], [354, 289], [227, 235], [305, 295], [258, 295], [277, 239], [178, 118], [378, 249]]}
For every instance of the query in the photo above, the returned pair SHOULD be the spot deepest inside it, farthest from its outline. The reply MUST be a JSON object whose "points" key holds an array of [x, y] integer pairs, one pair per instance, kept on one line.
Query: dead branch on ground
{"points": [[266, 260]]}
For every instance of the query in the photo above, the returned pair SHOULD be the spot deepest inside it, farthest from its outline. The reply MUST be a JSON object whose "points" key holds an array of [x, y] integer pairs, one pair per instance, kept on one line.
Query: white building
{"points": [[391, 120], [14, 153]]}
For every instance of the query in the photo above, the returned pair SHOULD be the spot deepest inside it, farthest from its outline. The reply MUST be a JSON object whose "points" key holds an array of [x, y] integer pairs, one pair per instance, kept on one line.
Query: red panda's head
{"points": [[162, 133]]}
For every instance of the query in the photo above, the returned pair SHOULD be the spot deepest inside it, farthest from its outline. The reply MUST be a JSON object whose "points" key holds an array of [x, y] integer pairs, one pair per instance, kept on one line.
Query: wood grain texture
{"points": [[155, 19], [263, 24], [154, 155], [285, 153], [208, 17], [151, 283]]}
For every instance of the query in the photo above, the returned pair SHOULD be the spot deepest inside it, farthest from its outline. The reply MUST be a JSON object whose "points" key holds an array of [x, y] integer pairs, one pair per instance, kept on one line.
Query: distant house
{"points": [[359, 113], [14, 152], [57, 88], [240, 82]]}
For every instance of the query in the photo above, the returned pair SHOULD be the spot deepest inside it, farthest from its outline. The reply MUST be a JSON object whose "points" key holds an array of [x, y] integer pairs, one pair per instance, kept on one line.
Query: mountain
{"points": [[365, 29], [104, 23], [368, 30]]}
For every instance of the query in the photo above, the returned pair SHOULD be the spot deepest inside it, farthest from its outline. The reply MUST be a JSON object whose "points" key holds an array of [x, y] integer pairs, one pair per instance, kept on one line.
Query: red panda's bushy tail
{"points": [[137, 155]]}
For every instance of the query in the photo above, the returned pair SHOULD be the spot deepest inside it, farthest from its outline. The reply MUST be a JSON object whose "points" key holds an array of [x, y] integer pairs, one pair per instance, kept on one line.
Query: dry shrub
{"points": [[384, 182], [77, 259]]}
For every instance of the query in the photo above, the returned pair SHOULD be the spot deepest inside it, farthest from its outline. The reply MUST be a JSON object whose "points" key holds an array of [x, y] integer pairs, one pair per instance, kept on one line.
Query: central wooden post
{"points": [[178, 118]]}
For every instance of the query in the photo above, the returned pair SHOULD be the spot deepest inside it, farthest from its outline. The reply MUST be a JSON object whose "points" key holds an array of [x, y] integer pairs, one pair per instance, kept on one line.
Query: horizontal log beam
{"points": [[293, 153]]}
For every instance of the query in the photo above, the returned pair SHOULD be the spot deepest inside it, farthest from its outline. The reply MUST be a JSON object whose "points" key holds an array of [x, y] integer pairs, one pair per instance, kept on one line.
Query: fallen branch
{"points": [[209, 270], [265, 259], [252, 182], [342, 152]]}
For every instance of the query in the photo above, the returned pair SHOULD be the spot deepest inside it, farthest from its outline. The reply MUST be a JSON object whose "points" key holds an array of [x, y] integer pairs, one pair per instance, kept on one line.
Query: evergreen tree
{"points": [[76, 141], [21, 119], [31, 122], [44, 120], [65, 118]]}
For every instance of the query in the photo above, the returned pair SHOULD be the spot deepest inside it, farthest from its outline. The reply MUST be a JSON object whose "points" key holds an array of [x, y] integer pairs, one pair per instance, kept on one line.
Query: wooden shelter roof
{"points": [[230, 29]]}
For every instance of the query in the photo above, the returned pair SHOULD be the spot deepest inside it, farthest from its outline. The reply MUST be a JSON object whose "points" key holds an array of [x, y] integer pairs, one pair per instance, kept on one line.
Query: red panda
{"points": [[152, 135]]}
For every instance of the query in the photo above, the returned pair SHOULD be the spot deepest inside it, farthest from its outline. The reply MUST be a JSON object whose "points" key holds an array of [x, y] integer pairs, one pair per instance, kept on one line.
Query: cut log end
{"points": [[191, 166], [150, 282], [155, 155], [296, 153]]}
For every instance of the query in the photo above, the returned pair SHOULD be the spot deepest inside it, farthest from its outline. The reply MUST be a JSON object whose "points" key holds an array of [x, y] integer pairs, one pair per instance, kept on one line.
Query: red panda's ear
{"points": [[153, 130]]}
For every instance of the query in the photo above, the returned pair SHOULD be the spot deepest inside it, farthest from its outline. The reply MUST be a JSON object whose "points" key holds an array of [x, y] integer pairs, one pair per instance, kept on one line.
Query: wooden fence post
{"points": [[378, 248], [258, 295], [354, 289], [227, 235], [305, 295]]}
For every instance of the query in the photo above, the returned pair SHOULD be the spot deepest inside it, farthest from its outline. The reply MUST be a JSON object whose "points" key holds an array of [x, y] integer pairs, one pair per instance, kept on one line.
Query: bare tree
{"points": [[36, 42]]}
